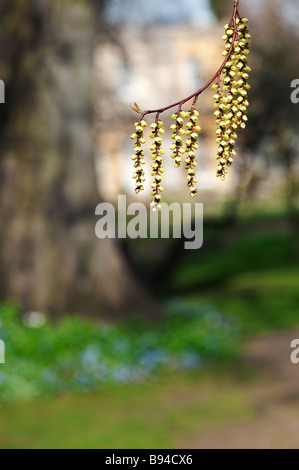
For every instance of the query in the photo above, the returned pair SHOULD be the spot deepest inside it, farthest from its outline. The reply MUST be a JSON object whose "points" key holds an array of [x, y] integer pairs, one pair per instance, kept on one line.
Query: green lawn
{"points": [[262, 302], [254, 253], [157, 414], [254, 281]]}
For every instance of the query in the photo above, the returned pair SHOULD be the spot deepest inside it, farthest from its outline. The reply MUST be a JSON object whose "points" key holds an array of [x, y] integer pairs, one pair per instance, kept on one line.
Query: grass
{"points": [[252, 254], [262, 302], [254, 281], [159, 414]]}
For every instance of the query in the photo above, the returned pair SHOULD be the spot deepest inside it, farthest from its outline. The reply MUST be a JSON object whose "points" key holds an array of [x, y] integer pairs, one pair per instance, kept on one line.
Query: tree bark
{"points": [[50, 259]]}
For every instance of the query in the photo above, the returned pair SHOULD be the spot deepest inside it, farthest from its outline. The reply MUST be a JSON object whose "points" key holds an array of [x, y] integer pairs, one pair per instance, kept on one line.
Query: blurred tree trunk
{"points": [[50, 257], [292, 195], [273, 118]]}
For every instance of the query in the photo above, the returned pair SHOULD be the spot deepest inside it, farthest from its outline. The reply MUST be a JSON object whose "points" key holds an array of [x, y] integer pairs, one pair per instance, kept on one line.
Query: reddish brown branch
{"points": [[180, 103]]}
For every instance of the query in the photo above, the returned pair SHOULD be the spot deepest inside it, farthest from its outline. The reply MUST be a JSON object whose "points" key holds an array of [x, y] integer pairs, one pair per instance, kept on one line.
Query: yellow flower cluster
{"points": [[177, 148], [231, 103], [231, 93], [191, 146], [138, 174], [157, 168], [177, 133]]}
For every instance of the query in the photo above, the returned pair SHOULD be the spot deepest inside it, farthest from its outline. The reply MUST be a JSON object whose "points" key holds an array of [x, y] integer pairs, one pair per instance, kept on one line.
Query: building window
{"points": [[195, 73]]}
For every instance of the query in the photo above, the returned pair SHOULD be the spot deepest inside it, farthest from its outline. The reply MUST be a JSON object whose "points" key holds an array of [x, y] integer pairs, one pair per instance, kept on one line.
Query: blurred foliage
{"points": [[253, 280], [262, 302], [251, 254], [43, 359]]}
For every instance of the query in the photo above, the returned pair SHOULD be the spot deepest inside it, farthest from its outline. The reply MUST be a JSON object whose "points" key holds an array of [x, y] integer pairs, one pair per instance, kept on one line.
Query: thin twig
{"points": [[180, 103]]}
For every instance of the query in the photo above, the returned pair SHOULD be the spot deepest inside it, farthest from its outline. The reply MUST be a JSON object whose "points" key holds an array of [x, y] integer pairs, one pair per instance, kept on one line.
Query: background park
{"points": [[121, 343]]}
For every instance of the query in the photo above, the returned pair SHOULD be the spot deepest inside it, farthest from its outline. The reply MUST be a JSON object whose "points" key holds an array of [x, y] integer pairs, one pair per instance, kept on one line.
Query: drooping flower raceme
{"points": [[230, 84]]}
